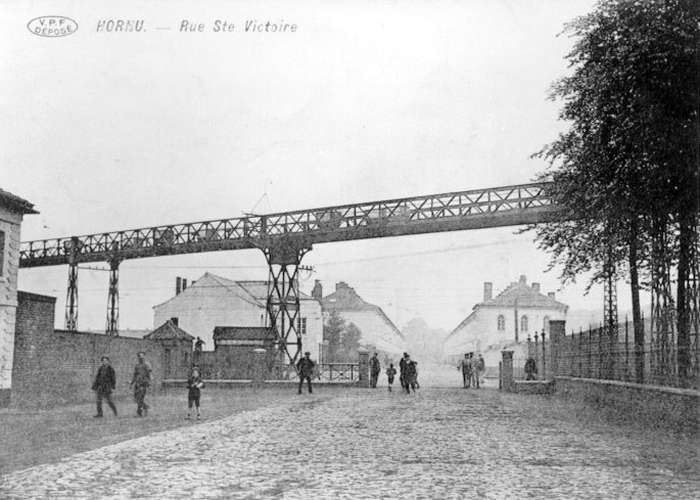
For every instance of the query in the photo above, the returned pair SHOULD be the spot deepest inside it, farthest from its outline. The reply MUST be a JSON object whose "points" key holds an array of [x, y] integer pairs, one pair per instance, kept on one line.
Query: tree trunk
{"points": [[636, 309], [685, 240]]}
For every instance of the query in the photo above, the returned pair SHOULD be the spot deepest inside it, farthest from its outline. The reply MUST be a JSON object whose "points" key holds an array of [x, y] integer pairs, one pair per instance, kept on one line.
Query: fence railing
{"points": [[339, 372], [593, 353]]}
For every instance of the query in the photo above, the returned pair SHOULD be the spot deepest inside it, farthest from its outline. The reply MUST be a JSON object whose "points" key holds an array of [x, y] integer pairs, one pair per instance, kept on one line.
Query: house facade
{"points": [[213, 301], [505, 320], [376, 327], [12, 210]]}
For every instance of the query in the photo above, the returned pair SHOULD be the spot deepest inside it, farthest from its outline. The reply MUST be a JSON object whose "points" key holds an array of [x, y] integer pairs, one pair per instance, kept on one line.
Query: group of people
{"points": [[408, 373], [471, 368], [106, 382]]}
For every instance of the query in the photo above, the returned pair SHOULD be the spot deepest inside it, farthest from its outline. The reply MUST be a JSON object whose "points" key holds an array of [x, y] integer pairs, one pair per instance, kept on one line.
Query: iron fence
{"points": [[593, 353]]}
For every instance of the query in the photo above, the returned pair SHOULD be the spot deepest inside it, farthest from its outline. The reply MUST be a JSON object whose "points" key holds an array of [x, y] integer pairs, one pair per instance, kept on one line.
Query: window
{"points": [[523, 324], [545, 324], [2, 252], [501, 322], [301, 325]]}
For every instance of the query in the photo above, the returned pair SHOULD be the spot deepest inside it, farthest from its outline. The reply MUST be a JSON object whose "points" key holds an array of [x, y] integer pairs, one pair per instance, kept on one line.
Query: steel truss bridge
{"points": [[284, 238]]}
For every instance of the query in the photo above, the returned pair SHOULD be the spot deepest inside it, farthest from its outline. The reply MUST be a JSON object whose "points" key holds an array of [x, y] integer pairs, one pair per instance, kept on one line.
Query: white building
{"points": [[12, 209], [376, 327], [213, 301], [514, 314]]}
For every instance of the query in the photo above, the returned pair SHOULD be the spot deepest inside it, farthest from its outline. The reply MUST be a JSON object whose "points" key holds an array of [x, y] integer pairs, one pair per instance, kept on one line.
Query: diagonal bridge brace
{"points": [[283, 259]]}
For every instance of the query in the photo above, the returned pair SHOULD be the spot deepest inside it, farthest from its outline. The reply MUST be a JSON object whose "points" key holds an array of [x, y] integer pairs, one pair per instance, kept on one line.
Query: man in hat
{"points": [[140, 382], [105, 383], [305, 368], [464, 366]]}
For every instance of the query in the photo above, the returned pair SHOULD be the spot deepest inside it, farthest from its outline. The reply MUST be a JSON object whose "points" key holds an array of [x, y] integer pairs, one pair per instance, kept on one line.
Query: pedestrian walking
{"points": [[390, 374], [464, 367], [403, 362], [140, 381], [480, 369], [105, 383], [305, 368], [374, 370], [411, 376], [194, 386]]}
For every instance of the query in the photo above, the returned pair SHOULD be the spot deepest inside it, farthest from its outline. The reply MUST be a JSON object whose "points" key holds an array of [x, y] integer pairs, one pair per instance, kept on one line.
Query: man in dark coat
{"points": [[374, 369], [403, 363], [140, 382], [105, 383], [305, 367], [530, 368]]}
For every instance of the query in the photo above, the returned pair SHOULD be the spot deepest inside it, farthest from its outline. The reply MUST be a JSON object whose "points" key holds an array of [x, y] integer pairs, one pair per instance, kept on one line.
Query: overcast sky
{"points": [[365, 101]]}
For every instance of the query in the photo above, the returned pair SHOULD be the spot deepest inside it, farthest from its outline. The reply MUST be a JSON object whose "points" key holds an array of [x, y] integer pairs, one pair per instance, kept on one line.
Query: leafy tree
{"points": [[333, 332], [626, 170], [350, 343]]}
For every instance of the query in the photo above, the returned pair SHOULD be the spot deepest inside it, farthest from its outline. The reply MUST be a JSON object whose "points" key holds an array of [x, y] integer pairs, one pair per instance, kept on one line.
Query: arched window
{"points": [[545, 324], [523, 324], [501, 322]]}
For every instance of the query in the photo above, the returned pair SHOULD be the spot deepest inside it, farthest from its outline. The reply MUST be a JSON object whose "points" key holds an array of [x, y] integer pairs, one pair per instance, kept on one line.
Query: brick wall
{"points": [[56, 367]]}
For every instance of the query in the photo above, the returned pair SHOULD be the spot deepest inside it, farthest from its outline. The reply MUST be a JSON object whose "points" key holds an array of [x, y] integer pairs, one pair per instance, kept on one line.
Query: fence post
{"points": [[507, 371], [537, 356], [589, 370], [557, 334], [544, 357], [363, 371]]}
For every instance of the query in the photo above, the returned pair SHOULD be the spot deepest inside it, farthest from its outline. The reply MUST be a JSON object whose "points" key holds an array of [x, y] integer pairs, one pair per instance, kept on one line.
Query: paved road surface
{"points": [[441, 443]]}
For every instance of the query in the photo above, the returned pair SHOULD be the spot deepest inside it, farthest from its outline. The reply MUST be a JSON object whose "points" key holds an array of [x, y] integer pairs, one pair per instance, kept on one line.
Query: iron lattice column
{"points": [[662, 358], [71, 323], [692, 298], [112, 327], [283, 260]]}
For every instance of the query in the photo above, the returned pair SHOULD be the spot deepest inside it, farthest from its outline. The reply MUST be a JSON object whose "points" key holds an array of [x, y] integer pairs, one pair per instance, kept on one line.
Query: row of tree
{"points": [[626, 170]]}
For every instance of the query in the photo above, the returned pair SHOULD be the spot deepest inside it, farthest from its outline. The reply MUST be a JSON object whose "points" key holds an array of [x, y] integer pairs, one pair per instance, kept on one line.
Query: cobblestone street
{"points": [[441, 443]]}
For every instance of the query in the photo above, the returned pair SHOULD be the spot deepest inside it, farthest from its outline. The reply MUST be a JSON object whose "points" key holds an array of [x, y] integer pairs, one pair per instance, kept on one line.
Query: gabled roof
{"points": [[243, 333], [16, 203], [168, 331], [525, 295], [345, 298]]}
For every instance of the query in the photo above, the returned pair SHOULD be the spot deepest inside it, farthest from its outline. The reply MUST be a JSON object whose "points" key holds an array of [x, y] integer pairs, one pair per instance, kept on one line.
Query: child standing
{"points": [[390, 374], [194, 384]]}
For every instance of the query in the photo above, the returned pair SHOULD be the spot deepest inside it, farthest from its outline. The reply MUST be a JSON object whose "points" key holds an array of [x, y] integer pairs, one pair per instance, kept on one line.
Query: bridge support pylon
{"points": [[112, 326], [283, 260], [71, 323], [610, 315]]}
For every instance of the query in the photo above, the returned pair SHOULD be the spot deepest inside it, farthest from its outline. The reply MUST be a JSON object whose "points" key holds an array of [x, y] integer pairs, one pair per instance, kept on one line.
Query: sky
{"points": [[364, 101]]}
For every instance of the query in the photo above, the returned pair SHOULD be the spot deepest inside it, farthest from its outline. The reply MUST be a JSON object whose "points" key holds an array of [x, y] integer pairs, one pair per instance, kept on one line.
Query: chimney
{"points": [[523, 279], [184, 284], [488, 290], [550, 295], [178, 285], [317, 292], [536, 287], [174, 321]]}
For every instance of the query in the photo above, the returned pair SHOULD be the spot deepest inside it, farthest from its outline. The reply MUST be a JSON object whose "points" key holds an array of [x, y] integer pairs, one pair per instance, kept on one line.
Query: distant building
{"points": [[376, 327], [510, 317], [213, 301], [177, 348], [12, 210]]}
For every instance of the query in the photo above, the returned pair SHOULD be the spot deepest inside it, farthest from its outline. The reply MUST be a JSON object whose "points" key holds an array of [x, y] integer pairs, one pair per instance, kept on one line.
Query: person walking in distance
{"points": [[402, 370], [479, 367], [105, 383], [390, 374], [140, 382], [374, 370], [305, 367], [463, 365], [411, 376], [194, 386]]}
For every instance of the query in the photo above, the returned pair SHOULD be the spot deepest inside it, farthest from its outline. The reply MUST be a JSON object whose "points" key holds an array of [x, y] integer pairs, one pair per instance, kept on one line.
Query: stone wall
{"points": [[10, 226], [56, 367]]}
